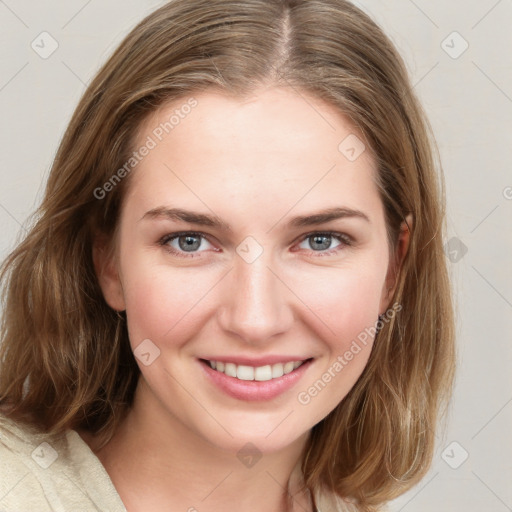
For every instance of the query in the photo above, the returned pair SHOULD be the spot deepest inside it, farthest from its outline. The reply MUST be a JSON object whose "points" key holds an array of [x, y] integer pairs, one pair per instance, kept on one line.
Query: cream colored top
{"points": [[41, 472], [60, 473]]}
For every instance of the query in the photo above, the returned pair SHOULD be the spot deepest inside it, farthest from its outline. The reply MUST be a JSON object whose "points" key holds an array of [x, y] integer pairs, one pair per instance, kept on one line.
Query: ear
{"points": [[395, 263], [105, 265]]}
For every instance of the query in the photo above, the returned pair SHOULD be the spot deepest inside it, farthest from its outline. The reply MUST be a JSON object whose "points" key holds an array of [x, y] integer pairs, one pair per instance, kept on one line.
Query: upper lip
{"points": [[256, 361]]}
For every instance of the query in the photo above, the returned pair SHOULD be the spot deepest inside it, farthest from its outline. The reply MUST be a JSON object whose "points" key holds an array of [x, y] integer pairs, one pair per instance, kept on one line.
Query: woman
{"points": [[234, 289]]}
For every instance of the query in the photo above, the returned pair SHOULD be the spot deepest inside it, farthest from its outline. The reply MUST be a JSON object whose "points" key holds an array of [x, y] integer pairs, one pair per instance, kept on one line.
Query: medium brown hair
{"points": [[65, 358]]}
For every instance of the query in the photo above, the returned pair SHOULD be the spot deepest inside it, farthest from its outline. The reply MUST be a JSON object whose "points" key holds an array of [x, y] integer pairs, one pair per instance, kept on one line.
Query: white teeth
{"points": [[245, 372], [230, 369], [277, 370], [288, 367], [263, 372], [260, 373]]}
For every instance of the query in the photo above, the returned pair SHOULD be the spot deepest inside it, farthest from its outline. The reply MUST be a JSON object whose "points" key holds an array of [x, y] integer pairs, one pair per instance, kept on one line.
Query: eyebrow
{"points": [[187, 216], [326, 216], [213, 221]]}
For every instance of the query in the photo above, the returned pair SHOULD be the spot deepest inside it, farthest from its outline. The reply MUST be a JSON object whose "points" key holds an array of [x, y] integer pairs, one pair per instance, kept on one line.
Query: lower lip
{"points": [[253, 390]]}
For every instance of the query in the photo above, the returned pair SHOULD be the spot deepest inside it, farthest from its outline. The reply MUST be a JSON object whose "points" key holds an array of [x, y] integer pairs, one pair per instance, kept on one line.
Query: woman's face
{"points": [[253, 235]]}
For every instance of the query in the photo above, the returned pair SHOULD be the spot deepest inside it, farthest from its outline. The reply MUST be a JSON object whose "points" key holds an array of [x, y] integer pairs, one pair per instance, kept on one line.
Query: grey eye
{"points": [[319, 242], [188, 242]]}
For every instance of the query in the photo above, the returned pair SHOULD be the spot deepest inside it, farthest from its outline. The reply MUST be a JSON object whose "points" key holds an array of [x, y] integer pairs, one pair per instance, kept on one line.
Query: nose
{"points": [[256, 303]]}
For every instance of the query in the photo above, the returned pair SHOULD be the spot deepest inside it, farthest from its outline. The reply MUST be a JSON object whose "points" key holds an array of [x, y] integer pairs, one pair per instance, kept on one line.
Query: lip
{"points": [[252, 390]]}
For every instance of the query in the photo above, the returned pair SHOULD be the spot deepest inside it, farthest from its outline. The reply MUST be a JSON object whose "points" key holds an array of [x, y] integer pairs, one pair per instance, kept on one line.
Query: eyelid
{"points": [[177, 234], [344, 237]]}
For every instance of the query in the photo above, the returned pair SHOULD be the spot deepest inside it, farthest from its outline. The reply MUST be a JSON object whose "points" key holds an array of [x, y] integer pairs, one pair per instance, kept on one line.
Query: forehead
{"points": [[259, 121], [273, 143]]}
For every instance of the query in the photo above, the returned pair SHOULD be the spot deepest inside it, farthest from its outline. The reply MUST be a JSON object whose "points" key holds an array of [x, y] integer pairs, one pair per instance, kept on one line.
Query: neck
{"points": [[157, 463]]}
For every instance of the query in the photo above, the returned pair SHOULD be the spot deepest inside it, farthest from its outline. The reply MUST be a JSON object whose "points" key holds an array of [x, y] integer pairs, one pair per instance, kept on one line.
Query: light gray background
{"points": [[469, 102]]}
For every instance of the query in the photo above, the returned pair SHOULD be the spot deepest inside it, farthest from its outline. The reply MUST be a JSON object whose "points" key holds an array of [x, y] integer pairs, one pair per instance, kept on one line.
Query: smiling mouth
{"points": [[259, 373]]}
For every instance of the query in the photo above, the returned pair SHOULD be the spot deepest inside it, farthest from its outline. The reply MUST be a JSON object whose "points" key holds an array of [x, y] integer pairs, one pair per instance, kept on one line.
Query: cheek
{"points": [[162, 303], [345, 299]]}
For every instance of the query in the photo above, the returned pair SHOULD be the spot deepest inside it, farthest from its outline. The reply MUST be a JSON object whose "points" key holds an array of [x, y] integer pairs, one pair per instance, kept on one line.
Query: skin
{"points": [[255, 164]]}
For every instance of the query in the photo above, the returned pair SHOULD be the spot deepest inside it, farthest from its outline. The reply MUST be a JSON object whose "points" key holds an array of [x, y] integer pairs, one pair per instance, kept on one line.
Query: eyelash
{"points": [[343, 238]]}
